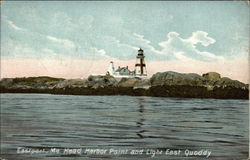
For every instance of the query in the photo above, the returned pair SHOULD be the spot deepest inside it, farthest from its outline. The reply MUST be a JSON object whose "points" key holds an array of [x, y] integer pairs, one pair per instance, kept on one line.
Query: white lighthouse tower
{"points": [[140, 66], [111, 69]]}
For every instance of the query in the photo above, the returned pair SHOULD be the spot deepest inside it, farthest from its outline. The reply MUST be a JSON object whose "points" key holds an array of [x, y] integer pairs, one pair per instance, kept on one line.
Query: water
{"points": [[43, 121]]}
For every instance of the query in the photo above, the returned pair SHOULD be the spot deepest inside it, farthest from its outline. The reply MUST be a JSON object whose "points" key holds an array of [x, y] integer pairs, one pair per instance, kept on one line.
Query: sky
{"points": [[76, 39]]}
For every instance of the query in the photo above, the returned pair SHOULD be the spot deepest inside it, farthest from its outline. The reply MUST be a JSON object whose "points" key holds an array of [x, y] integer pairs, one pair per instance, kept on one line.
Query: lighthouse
{"points": [[124, 72], [111, 69], [140, 66]]}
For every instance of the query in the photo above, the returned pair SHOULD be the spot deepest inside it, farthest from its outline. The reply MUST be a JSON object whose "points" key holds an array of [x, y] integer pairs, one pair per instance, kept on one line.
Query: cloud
{"points": [[13, 49], [114, 47], [99, 53], [66, 43], [175, 44], [142, 42], [176, 47], [120, 46], [201, 37], [14, 26], [49, 52], [114, 41]]}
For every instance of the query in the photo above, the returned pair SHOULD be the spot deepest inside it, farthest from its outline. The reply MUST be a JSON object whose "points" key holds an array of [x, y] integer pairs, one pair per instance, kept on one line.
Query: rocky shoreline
{"points": [[164, 84]]}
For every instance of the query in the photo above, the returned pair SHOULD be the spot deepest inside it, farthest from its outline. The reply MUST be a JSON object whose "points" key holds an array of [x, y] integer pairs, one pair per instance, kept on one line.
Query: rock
{"points": [[174, 78], [142, 84], [165, 84], [70, 83], [210, 85], [227, 82], [6, 82], [43, 82], [92, 82], [101, 81], [212, 76], [127, 82]]}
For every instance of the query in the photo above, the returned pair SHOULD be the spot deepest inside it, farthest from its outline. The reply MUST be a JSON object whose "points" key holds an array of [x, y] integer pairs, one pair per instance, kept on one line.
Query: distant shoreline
{"points": [[165, 84]]}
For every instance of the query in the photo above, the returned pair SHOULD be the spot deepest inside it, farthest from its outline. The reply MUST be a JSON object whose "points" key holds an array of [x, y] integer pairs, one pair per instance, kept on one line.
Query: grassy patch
{"points": [[42, 79]]}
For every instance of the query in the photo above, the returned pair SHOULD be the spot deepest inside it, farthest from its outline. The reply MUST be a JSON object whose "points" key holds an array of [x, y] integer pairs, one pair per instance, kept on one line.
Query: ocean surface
{"points": [[44, 126]]}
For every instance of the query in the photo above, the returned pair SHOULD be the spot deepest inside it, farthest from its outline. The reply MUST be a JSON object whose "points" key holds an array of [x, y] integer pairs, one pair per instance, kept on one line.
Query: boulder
{"points": [[70, 83], [6, 82], [174, 78], [212, 76], [127, 82], [227, 82], [101, 81], [142, 84]]}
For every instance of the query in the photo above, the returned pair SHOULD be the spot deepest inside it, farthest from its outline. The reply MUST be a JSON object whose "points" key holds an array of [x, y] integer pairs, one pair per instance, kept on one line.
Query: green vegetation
{"points": [[41, 79]]}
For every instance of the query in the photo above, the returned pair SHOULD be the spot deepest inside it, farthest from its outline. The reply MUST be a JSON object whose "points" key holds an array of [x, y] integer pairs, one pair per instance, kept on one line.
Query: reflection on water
{"points": [[141, 119], [45, 121]]}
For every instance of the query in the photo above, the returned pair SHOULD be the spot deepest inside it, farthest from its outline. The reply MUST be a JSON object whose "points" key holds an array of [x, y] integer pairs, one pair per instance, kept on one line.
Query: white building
{"points": [[140, 68]]}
